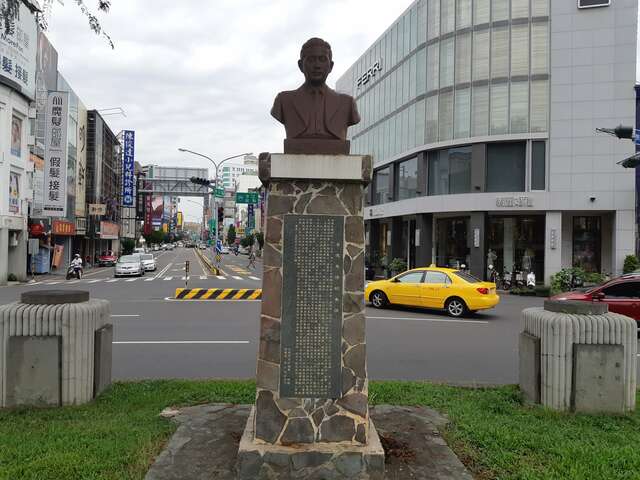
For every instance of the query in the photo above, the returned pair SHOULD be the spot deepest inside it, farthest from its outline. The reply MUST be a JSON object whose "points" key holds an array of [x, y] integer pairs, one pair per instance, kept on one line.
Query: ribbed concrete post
{"points": [[46, 314]]}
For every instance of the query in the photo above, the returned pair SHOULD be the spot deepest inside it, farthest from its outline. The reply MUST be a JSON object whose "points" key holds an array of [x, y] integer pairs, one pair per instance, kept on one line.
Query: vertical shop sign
{"points": [[55, 161], [128, 178], [14, 192]]}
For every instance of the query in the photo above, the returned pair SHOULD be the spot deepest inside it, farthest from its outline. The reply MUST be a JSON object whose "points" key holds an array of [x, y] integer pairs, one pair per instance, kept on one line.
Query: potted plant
{"points": [[397, 266]]}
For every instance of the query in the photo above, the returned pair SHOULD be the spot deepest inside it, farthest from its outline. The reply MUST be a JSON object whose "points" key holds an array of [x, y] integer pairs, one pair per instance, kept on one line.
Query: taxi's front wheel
{"points": [[456, 307], [379, 299]]}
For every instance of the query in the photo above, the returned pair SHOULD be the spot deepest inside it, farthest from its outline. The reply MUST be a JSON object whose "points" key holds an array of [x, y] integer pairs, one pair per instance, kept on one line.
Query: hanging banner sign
{"points": [[55, 156], [128, 177]]}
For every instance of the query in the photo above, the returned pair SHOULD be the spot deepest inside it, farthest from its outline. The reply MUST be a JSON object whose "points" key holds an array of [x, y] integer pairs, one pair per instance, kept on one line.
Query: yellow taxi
{"points": [[454, 291]]}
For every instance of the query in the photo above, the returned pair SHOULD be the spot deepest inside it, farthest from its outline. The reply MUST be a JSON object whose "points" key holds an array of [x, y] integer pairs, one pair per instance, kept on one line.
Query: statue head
{"points": [[315, 61]]}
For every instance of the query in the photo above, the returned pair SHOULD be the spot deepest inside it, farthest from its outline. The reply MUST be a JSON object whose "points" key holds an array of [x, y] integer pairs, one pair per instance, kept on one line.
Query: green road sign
{"points": [[247, 197], [212, 225], [220, 192]]}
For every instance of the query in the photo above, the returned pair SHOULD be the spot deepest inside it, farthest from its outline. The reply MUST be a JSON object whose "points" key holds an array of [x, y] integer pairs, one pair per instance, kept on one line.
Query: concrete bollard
{"points": [[55, 349], [577, 356]]}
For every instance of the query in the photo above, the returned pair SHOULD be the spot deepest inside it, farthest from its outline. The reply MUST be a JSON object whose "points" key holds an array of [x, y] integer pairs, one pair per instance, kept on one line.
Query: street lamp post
{"points": [[215, 182]]}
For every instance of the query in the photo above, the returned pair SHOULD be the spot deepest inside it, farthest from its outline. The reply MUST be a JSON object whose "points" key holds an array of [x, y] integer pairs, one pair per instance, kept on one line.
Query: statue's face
{"points": [[316, 65]]}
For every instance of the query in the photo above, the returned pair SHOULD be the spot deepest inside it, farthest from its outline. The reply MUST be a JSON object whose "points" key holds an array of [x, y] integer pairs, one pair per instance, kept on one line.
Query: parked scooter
{"points": [[506, 280], [531, 280], [518, 279]]}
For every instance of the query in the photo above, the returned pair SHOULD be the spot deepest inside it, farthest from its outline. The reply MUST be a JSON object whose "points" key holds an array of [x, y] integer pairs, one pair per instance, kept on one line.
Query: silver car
{"points": [[148, 262], [129, 265]]}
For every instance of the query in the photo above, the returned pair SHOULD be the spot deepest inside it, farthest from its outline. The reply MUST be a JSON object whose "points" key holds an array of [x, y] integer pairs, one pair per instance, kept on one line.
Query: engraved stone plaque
{"points": [[311, 332]]}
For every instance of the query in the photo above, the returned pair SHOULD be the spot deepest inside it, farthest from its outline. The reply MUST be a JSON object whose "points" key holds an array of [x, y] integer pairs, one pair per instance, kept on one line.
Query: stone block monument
{"points": [[311, 418]]}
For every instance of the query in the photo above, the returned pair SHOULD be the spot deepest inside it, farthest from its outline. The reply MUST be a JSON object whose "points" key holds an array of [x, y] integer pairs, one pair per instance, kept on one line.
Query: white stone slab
{"points": [[320, 167]]}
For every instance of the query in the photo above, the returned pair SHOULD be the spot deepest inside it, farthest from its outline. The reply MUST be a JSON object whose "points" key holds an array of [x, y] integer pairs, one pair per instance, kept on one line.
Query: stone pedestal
{"points": [[311, 401]]}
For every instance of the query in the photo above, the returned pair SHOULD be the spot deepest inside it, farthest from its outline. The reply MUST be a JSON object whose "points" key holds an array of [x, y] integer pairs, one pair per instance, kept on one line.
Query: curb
{"points": [[207, 262], [218, 294]]}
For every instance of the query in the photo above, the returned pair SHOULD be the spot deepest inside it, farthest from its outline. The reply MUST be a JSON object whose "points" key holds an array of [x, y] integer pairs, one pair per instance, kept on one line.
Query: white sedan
{"points": [[148, 262]]}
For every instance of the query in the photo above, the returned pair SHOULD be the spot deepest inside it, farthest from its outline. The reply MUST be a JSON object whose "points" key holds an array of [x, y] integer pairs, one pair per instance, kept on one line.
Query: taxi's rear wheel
{"points": [[456, 307], [379, 299]]}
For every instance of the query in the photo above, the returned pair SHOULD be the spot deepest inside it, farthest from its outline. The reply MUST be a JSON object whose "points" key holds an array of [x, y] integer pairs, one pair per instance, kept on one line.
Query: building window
{"points": [[480, 111], [447, 59], [519, 9], [539, 8], [433, 19], [433, 67], [481, 55], [587, 242], [431, 132], [506, 164], [450, 171], [462, 113], [520, 50], [421, 74], [499, 52], [499, 10], [463, 58], [447, 16], [539, 48], [407, 178], [463, 14], [445, 118], [519, 110], [499, 108], [539, 105], [381, 184], [481, 12], [452, 249], [538, 165]]}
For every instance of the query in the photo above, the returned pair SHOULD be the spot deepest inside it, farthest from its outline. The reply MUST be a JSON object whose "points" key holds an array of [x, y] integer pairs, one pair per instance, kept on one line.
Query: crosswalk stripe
{"points": [[149, 279], [168, 278], [203, 277], [253, 278], [220, 277], [53, 283], [74, 282], [236, 277], [131, 280], [95, 280], [112, 280]]}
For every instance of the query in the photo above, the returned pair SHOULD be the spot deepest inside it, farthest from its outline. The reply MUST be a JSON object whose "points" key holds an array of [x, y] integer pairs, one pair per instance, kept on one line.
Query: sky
{"points": [[203, 75]]}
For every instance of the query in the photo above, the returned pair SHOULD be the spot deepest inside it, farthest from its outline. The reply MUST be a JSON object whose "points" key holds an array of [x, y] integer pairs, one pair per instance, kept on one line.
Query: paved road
{"points": [[161, 338]]}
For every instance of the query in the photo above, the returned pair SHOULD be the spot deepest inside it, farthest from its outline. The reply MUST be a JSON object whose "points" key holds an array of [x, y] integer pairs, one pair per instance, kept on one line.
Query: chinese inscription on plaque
{"points": [[312, 308]]}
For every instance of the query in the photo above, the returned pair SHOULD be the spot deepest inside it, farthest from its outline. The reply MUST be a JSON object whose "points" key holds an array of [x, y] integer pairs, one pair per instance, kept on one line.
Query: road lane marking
{"points": [[74, 282], [149, 279], [203, 277], [184, 342], [167, 278], [220, 277], [435, 320], [253, 278], [112, 280], [164, 270], [133, 315], [236, 277], [131, 280], [53, 283], [96, 280]]}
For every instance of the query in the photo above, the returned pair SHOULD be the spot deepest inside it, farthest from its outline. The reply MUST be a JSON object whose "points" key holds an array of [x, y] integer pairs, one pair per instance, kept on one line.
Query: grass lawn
{"points": [[117, 436]]}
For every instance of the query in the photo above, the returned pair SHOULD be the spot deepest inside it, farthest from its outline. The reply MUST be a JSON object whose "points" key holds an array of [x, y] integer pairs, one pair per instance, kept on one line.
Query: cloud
{"points": [[203, 75]]}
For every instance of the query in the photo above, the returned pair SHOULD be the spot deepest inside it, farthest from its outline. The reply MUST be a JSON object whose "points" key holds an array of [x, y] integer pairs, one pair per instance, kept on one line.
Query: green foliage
{"points": [[231, 235], [260, 239], [248, 241], [542, 291], [128, 245], [157, 236], [12, 277], [398, 265], [119, 434], [631, 264]]}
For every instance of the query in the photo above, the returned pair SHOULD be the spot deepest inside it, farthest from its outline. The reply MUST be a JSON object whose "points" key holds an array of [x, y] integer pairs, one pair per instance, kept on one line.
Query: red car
{"points": [[107, 259], [622, 294]]}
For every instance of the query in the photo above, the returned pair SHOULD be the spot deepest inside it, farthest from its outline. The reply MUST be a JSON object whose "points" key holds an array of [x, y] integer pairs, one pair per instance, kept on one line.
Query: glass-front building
{"points": [[480, 118]]}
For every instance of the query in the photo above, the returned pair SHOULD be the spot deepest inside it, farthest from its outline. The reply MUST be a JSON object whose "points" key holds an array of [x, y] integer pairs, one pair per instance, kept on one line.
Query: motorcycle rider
{"points": [[76, 263]]}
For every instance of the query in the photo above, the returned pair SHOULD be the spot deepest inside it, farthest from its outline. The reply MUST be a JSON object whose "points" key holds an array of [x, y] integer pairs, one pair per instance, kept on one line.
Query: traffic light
{"points": [[200, 181]]}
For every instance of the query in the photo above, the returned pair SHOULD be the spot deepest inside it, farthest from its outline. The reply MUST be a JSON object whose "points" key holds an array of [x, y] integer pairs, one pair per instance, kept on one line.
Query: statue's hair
{"points": [[315, 42]]}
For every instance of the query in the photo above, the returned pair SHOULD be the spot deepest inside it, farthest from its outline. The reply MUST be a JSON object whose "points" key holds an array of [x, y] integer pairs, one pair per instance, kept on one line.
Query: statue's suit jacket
{"points": [[294, 109]]}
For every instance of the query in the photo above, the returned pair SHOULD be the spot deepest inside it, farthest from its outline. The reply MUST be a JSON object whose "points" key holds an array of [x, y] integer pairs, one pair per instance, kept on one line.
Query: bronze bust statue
{"points": [[315, 117]]}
